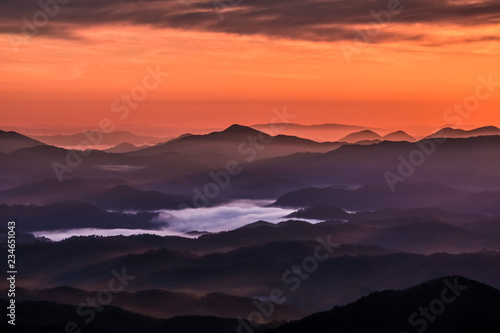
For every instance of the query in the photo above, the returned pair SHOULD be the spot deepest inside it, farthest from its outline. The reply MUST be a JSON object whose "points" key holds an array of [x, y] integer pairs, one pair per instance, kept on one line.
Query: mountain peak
{"points": [[399, 136], [361, 136], [235, 132], [238, 129]]}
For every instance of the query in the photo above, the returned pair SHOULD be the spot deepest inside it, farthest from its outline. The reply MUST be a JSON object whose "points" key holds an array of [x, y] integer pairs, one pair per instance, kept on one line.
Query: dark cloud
{"points": [[295, 19]]}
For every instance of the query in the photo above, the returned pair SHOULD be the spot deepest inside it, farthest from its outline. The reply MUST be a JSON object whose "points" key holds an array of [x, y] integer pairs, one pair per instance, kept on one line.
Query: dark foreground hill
{"points": [[449, 304]]}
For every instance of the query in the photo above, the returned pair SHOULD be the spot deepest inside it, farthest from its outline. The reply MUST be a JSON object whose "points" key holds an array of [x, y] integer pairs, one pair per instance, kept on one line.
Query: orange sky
{"points": [[218, 78]]}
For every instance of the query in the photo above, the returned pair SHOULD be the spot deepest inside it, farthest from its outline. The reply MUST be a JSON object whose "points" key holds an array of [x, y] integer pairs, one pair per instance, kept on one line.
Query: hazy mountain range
{"points": [[111, 139], [373, 222]]}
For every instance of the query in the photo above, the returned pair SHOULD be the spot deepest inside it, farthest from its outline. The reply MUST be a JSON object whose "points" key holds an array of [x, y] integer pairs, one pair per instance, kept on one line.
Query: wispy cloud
{"points": [[180, 222], [315, 20], [221, 218]]}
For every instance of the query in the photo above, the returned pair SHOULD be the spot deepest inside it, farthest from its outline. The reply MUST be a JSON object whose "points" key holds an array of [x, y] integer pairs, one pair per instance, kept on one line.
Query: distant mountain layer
{"points": [[262, 167], [355, 134], [241, 143], [449, 132], [466, 163], [322, 132], [95, 137]]}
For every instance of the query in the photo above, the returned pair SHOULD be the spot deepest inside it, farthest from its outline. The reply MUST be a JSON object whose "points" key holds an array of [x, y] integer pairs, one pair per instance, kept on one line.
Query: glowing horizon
{"points": [[406, 73]]}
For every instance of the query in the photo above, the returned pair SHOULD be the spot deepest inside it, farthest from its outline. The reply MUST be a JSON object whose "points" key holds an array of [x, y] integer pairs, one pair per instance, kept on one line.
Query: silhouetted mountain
{"points": [[185, 135], [476, 167], [123, 197], [321, 132], [112, 139], [456, 305], [365, 135], [124, 148], [398, 136], [12, 141], [236, 141], [462, 163]]}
